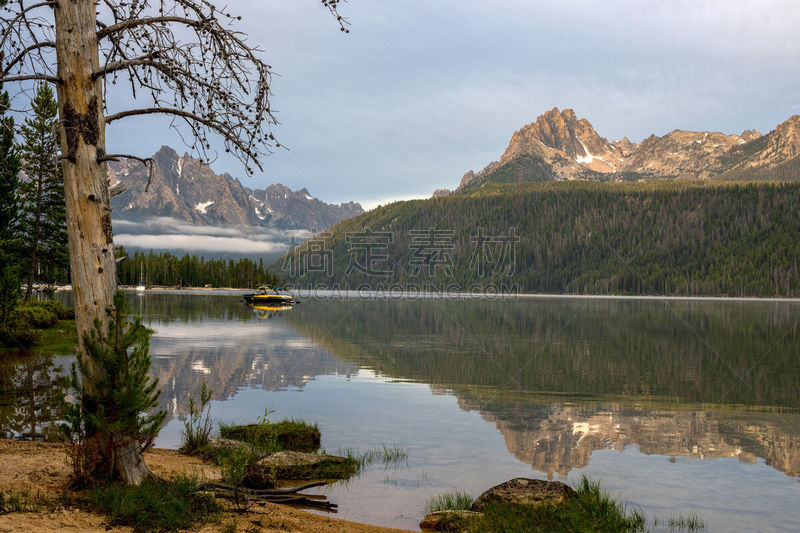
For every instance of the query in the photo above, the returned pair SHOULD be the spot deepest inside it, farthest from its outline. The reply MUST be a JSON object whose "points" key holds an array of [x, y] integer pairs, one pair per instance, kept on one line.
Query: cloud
{"points": [[163, 233], [168, 225], [199, 243]]}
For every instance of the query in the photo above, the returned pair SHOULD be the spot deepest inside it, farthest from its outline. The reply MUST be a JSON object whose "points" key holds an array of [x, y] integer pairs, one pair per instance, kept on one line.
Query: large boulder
{"points": [[448, 520], [523, 491], [298, 465]]}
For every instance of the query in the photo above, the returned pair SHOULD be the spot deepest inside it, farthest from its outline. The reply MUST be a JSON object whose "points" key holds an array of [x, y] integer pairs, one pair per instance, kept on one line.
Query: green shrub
{"points": [[54, 306], [234, 469], [25, 319], [19, 334], [155, 505], [36, 315]]}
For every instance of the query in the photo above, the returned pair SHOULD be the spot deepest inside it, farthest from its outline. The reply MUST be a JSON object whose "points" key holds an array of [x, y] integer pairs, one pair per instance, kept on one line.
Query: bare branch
{"points": [[119, 189], [131, 24], [146, 161], [24, 53], [31, 77], [10, 24], [333, 7], [117, 157], [183, 57], [24, 37], [211, 123]]}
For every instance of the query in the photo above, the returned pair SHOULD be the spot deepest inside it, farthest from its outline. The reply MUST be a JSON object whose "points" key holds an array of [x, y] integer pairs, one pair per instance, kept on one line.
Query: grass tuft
{"points": [[23, 502], [449, 501], [291, 435], [591, 511], [392, 456], [690, 523]]}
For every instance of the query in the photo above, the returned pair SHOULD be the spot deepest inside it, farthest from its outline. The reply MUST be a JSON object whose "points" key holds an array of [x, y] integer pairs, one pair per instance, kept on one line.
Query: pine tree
{"points": [[9, 223], [115, 394], [42, 193]]}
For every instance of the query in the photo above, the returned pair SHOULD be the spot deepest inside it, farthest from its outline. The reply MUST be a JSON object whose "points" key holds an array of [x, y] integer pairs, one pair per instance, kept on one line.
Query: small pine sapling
{"points": [[113, 416]]}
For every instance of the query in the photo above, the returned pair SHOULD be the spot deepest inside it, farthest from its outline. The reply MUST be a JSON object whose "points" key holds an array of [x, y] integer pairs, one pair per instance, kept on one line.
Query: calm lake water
{"points": [[676, 406]]}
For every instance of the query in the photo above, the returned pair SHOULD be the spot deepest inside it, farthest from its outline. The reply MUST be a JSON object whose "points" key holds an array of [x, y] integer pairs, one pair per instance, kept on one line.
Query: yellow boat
{"points": [[268, 297]]}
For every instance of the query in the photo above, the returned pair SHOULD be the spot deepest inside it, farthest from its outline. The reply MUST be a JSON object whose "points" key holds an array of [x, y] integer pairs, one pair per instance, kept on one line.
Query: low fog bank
{"points": [[163, 234]]}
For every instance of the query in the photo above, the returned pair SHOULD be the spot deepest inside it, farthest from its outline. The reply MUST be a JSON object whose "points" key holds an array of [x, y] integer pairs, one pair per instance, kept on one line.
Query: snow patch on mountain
{"points": [[588, 158], [203, 206]]}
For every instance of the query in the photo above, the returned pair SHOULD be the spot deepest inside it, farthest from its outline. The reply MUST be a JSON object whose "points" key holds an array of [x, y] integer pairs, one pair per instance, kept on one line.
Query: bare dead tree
{"points": [[186, 60]]}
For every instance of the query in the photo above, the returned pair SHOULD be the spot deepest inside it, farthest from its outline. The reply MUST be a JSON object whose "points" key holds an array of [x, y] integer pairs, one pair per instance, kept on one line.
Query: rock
{"points": [[448, 520], [466, 179], [226, 444], [297, 466], [524, 491]]}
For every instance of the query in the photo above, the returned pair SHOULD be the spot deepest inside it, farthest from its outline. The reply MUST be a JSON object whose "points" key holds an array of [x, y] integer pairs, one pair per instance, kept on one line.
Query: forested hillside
{"points": [[656, 238], [191, 271]]}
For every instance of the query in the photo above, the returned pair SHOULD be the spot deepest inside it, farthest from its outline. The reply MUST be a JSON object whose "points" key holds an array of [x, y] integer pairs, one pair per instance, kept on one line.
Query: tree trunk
{"points": [[88, 202], [35, 243]]}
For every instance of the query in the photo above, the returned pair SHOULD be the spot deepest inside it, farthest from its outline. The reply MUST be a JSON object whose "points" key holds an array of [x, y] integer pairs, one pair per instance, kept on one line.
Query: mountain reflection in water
{"points": [[566, 383], [561, 378]]}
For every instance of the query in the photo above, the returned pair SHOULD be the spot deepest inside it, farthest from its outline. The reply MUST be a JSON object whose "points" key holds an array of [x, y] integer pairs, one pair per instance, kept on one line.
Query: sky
{"points": [[419, 92]]}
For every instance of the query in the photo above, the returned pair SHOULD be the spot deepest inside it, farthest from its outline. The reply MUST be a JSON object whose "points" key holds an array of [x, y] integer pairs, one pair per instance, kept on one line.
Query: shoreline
{"points": [[40, 470], [426, 295]]}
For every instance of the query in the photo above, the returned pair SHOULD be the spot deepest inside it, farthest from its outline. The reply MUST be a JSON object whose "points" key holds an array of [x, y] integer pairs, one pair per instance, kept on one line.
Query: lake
{"points": [[674, 405]]}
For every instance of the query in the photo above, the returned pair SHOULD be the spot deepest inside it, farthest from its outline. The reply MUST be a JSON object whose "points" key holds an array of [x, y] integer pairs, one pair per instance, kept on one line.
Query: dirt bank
{"points": [[41, 469]]}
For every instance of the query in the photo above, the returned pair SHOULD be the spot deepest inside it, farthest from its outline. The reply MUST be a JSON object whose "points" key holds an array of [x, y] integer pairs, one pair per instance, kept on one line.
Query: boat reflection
{"points": [[268, 310]]}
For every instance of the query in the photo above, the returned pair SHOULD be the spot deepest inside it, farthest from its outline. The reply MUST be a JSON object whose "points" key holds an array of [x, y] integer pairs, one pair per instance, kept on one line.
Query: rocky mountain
{"points": [[560, 146], [187, 189]]}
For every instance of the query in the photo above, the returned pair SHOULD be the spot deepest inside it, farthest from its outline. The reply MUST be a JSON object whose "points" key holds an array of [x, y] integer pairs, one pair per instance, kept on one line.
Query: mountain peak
{"points": [[564, 132], [791, 124], [166, 152], [782, 144], [560, 146], [188, 190], [750, 135]]}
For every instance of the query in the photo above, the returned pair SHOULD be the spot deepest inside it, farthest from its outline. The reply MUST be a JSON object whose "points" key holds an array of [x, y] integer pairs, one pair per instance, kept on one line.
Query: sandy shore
{"points": [[41, 469]]}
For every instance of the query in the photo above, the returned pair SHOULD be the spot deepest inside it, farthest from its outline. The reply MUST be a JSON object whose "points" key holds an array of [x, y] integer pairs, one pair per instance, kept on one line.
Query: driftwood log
{"points": [[286, 495]]}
